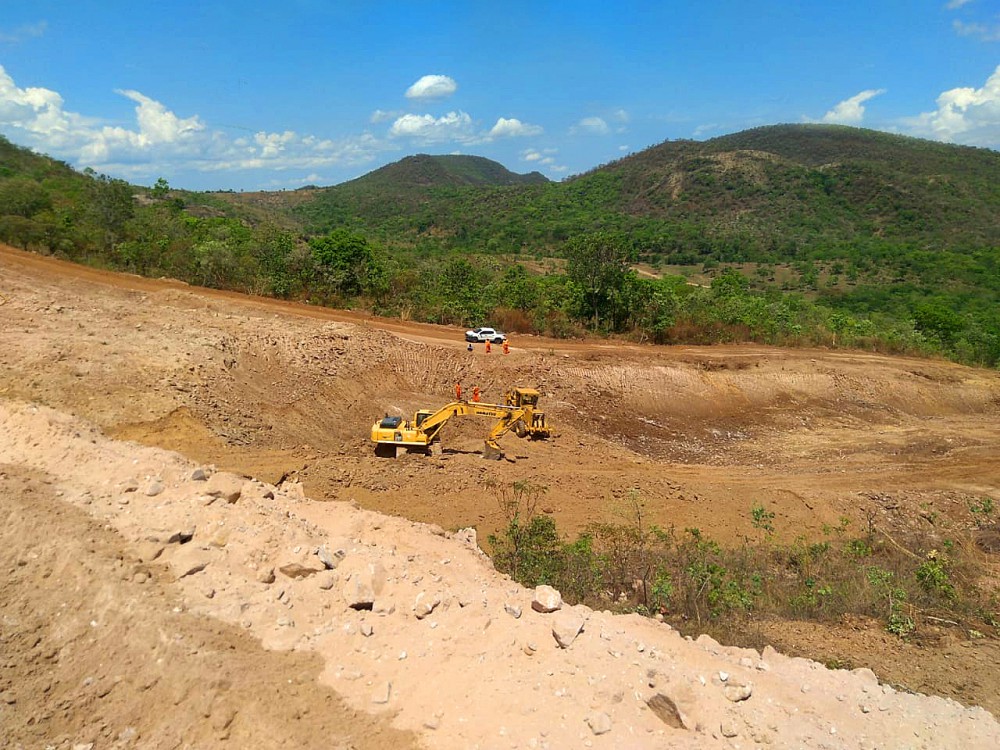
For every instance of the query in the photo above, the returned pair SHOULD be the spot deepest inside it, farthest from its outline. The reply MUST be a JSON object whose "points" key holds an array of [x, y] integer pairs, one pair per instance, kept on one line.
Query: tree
{"points": [[111, 206], [462, 292], [160, 190], [598, 265], [349, 263], [937, 318], [21, 196]]}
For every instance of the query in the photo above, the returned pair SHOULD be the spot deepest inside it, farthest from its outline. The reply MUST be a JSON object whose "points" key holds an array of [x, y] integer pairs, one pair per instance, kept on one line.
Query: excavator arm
{"points": [[513, 420], [461, 409]]}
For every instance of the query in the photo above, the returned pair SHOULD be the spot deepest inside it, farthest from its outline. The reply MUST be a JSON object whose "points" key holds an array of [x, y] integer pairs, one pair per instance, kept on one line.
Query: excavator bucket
{"points": [[492, 452]]}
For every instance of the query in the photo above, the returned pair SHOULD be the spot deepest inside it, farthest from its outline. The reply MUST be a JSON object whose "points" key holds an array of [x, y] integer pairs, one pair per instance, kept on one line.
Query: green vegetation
{"points": [[697, 584], [794, 235]]}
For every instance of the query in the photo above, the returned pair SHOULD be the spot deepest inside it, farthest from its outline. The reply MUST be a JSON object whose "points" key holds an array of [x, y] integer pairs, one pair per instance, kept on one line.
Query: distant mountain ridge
{"points": [[446, 170], [767, 191], [801, 179]]}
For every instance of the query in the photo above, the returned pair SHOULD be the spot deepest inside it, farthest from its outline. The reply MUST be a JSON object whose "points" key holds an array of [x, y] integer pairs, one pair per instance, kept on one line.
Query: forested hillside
{"points": [[786, 234]]}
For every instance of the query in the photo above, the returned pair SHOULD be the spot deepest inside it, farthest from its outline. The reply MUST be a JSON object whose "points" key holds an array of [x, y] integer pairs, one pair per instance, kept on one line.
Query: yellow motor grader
{"points": [[518, 413]]}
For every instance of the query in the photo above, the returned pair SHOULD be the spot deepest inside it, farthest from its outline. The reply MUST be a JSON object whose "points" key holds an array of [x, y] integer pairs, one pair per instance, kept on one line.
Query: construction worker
{"points": [[506, 348], [469, 347], [458, 391], [475, 394], [487, 347]]}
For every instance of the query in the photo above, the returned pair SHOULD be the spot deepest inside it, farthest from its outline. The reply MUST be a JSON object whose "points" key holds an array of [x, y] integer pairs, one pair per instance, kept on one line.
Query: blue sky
{"points": [[255, 95]]}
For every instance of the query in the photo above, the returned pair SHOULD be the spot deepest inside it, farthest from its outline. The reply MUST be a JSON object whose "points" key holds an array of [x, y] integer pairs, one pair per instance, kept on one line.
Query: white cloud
{"points": [[955, 4], [964, 115], [452, 126], [542, 158], [708, 127], [985, 32], [381, 115], [851, 111], [513, 128], [160, 141], [37, 112], [590, 126], [271, 145], [432, 87], [157, 124], [20, 33]]}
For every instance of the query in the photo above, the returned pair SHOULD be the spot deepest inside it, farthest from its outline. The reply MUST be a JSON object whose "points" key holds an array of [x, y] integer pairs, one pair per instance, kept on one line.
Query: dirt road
{"points": [[278, 390]]}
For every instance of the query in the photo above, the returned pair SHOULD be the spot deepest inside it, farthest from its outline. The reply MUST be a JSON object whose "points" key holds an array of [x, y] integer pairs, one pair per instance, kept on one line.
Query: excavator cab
{"points": [[533, 423], [522, 397]]}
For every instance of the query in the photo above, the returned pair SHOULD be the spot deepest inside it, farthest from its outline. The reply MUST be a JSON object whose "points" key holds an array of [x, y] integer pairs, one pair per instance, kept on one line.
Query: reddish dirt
{"points": [[274, 390]]}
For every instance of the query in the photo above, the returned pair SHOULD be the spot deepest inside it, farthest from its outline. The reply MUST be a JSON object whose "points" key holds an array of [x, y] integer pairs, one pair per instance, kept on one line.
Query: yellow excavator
{"points": [[519, 413]]}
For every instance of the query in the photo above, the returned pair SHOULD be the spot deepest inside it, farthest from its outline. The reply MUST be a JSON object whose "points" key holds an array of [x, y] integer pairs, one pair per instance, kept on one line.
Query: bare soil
{"points": [[285, 392]]}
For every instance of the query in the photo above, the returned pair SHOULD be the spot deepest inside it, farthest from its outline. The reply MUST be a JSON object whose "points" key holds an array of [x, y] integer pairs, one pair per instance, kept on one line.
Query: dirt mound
{"points": [[100, 648]]}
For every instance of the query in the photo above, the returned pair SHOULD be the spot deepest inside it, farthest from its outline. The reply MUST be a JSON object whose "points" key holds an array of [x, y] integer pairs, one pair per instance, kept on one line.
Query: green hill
{"points": [[392, 200], [790, 233], [440, 171], [766, 194]]}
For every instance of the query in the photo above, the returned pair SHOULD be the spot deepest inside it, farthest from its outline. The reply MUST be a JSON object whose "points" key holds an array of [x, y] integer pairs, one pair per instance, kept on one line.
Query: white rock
{"points": [[566, 627], [546, 599], [362, 588], [599, 723], [266, 575], [737, 692], [425, 604], [229, 487]]}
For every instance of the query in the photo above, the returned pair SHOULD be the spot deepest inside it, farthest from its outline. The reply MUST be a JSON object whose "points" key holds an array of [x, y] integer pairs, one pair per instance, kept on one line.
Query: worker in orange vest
{"points": [[475, 394], [506, 348], [487, 347], [458, 391]]}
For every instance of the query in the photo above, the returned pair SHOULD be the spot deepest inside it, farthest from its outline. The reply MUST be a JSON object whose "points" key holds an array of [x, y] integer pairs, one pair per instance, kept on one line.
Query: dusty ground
{"points": [[287, 392]]}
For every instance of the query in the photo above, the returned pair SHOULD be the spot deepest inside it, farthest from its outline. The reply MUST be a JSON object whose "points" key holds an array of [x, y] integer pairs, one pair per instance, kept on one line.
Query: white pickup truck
{"points": [[480, 335]]}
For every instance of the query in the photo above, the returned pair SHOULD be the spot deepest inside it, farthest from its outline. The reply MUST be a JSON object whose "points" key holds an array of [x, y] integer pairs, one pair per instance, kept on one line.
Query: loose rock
{"points": [[599, 723], [566, 627], [737, 692], [546, 599], [667, 712]]}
